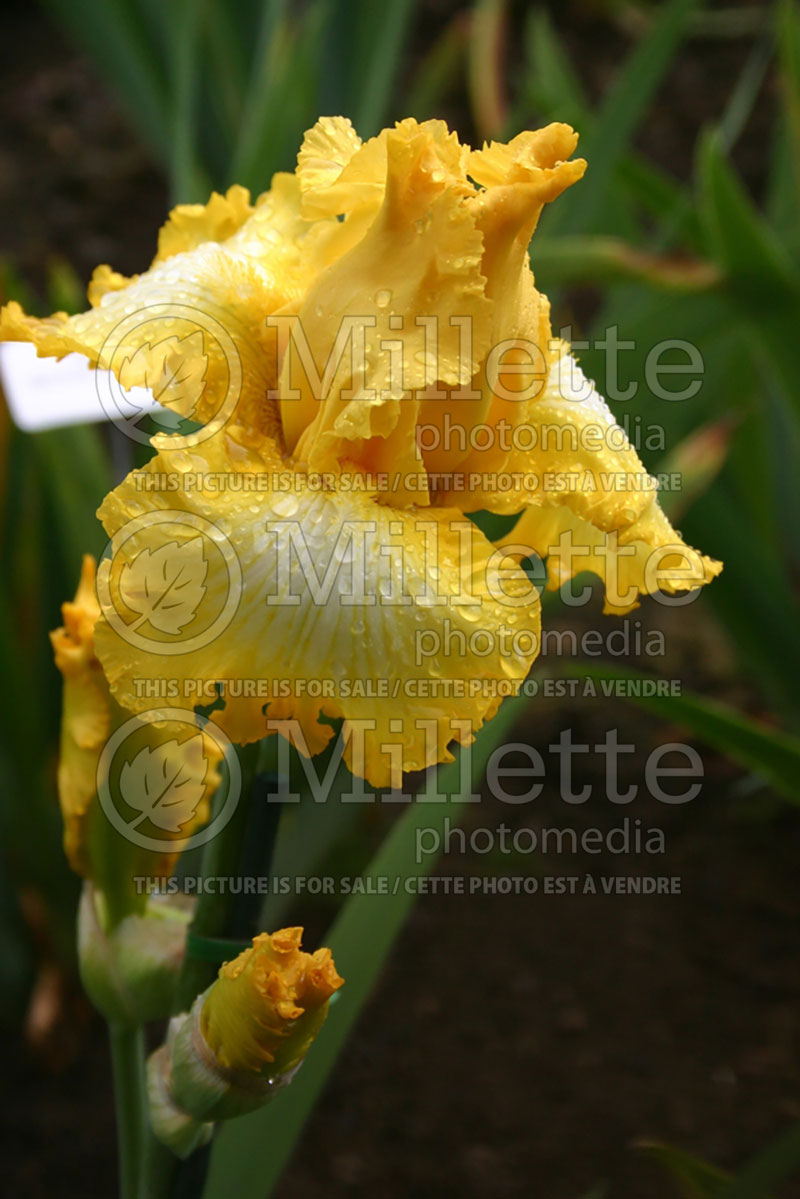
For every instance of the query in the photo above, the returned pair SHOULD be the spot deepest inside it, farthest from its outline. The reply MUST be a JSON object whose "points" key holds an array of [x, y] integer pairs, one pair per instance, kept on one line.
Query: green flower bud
{"points": [[130, 970], [176, 1129]]}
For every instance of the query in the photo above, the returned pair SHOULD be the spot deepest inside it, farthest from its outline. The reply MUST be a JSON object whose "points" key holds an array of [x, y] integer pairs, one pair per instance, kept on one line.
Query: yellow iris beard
{"points": [[328, 340]]}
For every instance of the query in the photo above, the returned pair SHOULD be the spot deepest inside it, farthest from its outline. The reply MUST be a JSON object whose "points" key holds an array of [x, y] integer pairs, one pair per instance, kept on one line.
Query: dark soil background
{"points": [[515, 1045]]}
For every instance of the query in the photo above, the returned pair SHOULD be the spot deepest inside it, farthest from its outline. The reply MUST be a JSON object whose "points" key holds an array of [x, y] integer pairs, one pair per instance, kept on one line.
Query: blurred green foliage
{"points": [[221, 93], [52, 483]]}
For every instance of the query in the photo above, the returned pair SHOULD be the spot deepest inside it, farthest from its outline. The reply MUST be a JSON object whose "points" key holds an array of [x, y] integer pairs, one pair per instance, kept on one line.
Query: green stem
{"points": [[127, 1060], [160, 1166], [220, 860]]}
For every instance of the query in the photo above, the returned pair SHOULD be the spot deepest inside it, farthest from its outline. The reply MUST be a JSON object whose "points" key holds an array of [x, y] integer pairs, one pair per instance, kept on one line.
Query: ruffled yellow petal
{"points": [[396, 621], [593, 505], [533, 156], [105, 280], [326, 150], [192, 328], [190, 225], [518, 179], [86, 719], [282, 241], [645, 557], [420, 257], [268, 1003], [338, 174], [570, 450]]}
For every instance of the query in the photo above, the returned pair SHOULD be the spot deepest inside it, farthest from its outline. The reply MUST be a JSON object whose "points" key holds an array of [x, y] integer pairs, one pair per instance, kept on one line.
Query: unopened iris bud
{"points": [[130, 969], [267, 1005], [243, 1039]]}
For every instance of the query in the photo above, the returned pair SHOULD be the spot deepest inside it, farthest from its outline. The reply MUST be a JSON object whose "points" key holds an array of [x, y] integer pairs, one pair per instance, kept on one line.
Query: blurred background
{"points": [[564, 1046]]}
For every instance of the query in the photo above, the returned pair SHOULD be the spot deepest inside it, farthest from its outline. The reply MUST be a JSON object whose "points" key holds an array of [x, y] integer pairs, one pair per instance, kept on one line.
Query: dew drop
{"points": [[286, 505]]}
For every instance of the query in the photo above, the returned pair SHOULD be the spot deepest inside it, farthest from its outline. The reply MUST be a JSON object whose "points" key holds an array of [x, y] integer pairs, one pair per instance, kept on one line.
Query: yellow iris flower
{"points": [[95, 849], [311, 459]]}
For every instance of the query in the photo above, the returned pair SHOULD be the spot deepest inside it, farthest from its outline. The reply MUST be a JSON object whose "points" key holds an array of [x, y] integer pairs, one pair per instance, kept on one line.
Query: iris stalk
{"points": [[127, 1059]]}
